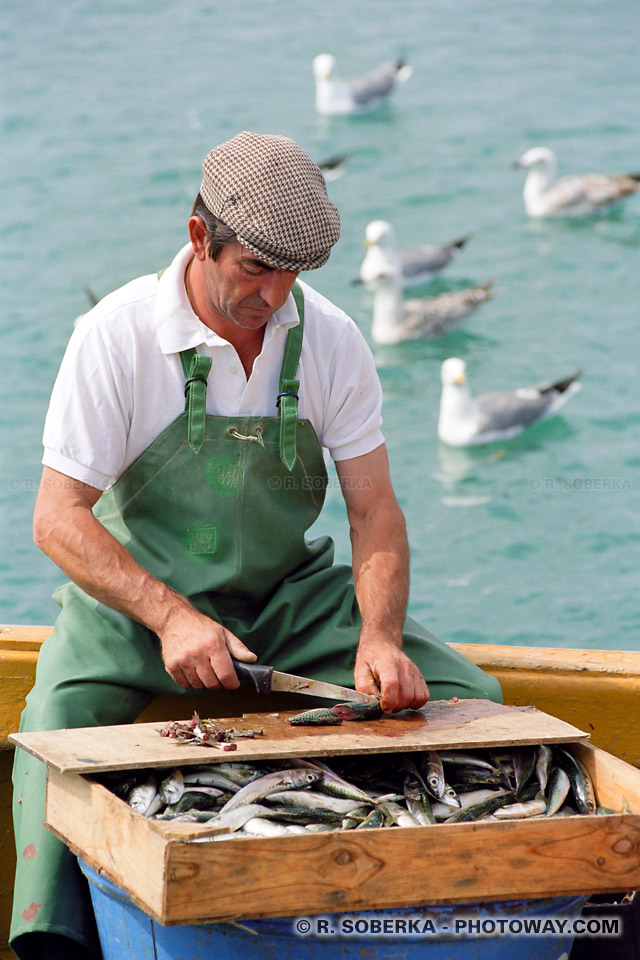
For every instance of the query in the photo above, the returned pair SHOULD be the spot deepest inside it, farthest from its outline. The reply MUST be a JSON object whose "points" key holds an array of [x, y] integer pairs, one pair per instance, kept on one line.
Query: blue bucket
{"points": [[503, 930]]}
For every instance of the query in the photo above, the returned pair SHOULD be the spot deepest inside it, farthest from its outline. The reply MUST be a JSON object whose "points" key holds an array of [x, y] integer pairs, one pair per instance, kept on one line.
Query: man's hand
{"points": [[197, 651], [382, 668]]}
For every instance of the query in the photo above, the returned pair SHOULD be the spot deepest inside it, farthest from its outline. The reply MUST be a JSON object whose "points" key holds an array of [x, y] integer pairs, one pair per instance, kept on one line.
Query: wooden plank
{"points": [[375, 869], [109, 836], [618, 789], [439, 725]]}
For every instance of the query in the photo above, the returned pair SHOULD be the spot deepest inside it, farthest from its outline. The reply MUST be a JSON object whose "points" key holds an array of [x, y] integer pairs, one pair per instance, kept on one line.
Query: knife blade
{"points": [[265, 679]]}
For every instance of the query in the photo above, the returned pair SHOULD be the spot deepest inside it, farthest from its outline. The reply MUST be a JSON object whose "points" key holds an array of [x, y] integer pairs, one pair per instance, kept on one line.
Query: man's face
{"points": [[243, 289]]}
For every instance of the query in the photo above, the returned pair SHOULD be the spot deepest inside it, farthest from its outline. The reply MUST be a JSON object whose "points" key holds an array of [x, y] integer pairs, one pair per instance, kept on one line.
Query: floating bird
{"points": [[333, 167], [396, 320], [416, 266], [569, 196], [339, 97], [465, 421]]}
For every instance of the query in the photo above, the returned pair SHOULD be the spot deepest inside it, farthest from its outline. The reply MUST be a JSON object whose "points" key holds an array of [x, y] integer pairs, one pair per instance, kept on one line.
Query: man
{"points": [[196, 550]]}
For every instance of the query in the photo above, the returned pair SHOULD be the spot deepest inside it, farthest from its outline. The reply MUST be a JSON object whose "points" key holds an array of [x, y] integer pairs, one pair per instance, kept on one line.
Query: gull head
{"points": [[379, 233], [453, 372], [323, 66], [538, 158]]}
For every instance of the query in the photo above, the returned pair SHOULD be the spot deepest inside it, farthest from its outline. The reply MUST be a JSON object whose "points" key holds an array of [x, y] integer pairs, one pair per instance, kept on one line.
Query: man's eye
{"points": [[252, 269]]}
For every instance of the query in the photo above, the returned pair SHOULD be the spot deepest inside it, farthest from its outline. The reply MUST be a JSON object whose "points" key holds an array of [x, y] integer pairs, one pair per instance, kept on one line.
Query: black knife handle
{"points": [[256, 673]]}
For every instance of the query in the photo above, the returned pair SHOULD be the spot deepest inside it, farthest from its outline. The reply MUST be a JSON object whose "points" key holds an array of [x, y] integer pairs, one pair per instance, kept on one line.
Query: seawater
{"points": [[107, 112]]}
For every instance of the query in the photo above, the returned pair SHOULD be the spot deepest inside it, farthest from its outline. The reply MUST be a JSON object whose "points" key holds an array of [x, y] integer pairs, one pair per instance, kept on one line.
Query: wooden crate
{"points": [[179, 881]]}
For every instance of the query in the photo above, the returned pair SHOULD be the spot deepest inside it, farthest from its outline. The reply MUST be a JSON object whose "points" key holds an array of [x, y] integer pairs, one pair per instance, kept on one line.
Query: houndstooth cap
{"points": [[274, 197]]}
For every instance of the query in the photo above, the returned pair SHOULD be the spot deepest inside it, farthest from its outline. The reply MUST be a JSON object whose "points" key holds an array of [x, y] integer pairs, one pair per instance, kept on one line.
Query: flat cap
{"points": [[274, 197]]}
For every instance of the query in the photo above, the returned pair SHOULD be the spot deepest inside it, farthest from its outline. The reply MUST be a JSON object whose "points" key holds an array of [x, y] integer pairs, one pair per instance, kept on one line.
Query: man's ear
{"points": [[199, 237]]}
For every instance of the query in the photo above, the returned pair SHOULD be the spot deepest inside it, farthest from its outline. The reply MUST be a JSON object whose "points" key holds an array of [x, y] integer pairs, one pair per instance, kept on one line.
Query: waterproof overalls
{"points": [[217, 508]]}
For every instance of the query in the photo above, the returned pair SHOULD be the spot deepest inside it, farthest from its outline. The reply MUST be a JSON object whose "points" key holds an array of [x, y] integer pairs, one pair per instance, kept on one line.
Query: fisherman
{"points": [[184, 462]]}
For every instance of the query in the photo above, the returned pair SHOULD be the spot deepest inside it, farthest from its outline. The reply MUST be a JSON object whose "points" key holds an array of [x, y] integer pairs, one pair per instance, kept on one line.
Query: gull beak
{"points": [[460, 379]]}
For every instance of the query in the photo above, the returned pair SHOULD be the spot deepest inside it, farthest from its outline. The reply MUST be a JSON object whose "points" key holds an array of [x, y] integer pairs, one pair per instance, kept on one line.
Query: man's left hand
{"points": [[383, 669]]}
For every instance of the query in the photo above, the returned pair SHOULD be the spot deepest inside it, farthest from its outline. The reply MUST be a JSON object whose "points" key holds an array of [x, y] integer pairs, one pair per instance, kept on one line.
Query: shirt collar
{"points": [[177, 326]]}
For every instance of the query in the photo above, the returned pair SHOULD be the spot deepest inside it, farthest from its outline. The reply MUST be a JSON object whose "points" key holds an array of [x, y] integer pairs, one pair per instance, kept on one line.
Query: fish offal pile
{"points": [[272, 798]]}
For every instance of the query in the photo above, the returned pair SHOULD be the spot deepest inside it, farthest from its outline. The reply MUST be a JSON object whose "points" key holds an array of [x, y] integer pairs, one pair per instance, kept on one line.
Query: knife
{"points": [[266, 680]]}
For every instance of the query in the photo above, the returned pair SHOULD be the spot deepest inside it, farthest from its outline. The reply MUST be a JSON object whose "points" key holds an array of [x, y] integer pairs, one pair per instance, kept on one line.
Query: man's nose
{"points": [[275, 287]]}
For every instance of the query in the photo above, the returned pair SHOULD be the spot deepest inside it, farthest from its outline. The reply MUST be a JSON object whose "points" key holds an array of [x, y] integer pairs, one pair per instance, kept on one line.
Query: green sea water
{"points": [[107, 112]]}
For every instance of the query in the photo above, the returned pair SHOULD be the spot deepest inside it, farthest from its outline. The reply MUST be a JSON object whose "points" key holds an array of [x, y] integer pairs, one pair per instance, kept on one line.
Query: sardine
{"points": [[291, 779], [398, 815], [581, 785], [321, 717], [172, 787], [358, 711], [433, 769], [478, 810], [558, 788], [518, 811], [236, 819], [442, 812], [460, 758], [524, 764], [211, 778], [543, 765], [374, 819], [316, 801], [145, 798], [260, 827]]}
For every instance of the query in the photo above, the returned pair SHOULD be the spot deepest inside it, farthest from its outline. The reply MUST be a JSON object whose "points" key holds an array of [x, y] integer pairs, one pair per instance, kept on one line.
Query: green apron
{"points": [[217, 508]]}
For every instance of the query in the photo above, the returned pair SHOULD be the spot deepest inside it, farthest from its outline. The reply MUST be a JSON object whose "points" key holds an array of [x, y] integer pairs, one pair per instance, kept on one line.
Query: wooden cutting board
{"points": [[441, 724]]}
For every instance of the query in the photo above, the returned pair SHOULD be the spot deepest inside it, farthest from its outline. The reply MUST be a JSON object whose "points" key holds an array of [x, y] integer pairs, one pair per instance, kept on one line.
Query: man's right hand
{"points": [[197, 651]]}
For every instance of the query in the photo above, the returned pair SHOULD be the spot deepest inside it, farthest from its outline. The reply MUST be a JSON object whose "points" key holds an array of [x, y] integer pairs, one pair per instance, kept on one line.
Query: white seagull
{"points": [[574, 196], [339, 97], [464, 421], [333, 167], [416, 265], [396, 320]]}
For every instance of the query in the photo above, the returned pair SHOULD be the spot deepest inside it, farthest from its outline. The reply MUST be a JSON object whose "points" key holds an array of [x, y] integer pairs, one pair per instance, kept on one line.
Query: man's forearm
{"points": [[381, 573], [67, 531]]}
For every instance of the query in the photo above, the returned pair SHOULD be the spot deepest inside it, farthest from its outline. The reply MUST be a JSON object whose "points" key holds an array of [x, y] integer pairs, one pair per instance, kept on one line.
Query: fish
{"points": [[543, 765], [172, 787], [460, 758], [323, 716], [145, 797], [434, 772], [529, 808], [337, 786], [316, 801], [524, 765], [581, 785], [211, 778], [292, 778], [374, 819], [481, 809], [358, 711], [558, 787], [394, 813], [261, 827], [443, 812]]}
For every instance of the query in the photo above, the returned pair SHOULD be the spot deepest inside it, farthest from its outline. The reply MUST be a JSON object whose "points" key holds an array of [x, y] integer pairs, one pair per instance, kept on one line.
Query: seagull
{"points": [[416, 266], [340, 97], [333, 167], [465, 421], [396, 320], [569, 196]]}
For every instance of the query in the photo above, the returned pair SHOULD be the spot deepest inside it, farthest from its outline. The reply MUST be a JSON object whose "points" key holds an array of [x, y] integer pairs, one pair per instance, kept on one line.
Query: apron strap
{"points": [[287, 399], [196, 370]]}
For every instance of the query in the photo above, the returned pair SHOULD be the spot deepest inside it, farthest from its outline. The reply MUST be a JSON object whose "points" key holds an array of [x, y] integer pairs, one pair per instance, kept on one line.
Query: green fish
{"points": [[315, 718]]}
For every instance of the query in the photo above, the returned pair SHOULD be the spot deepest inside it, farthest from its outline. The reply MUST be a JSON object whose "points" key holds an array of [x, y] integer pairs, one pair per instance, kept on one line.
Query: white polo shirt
{"points": [[121, 382]]}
